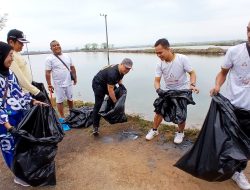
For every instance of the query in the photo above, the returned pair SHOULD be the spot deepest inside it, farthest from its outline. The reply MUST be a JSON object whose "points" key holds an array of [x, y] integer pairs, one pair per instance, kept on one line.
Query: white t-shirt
{"points": [[238, 84], [60, 74], [174, 73]]}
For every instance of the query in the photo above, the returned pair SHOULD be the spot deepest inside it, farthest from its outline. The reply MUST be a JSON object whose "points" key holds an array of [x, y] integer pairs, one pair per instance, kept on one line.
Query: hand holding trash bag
{"points": [[13, 131], [36, 102], [160, 92], [215, 90], [194, 88], [40, 96]]}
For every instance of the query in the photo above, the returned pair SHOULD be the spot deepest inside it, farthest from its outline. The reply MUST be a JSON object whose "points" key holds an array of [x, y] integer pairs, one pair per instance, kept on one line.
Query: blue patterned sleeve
{"points": [[15, 100], [3, 116]]}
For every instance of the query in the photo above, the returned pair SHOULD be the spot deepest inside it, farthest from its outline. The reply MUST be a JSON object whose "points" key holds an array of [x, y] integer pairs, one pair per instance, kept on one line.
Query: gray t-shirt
{"points": [[238, 83], [174, 73]]}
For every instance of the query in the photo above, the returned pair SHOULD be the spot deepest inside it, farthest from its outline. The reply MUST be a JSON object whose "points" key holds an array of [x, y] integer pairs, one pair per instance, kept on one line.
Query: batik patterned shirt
{"points": [[12, 98]]}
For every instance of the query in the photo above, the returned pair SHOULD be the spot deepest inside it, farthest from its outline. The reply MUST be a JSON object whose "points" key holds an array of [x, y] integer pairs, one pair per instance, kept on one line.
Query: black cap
{"points": [[18, 35]]}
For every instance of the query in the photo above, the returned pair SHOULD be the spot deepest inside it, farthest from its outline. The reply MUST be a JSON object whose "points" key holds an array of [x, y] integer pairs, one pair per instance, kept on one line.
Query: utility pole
{"points": [[107, 41]]}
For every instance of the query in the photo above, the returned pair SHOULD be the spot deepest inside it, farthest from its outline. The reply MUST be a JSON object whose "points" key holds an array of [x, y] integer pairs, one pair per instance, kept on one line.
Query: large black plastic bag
{"points": [[80, 117], [35, 151], [173, 105], [115, 113], [243, 117], [41, 87], [221, 147]]}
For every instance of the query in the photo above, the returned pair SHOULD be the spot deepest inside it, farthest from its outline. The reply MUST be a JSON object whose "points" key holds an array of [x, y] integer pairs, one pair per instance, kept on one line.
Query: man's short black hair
{"points": [[163, 41]]}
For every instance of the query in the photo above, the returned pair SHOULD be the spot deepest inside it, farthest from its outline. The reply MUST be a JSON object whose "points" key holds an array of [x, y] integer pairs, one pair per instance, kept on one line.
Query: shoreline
{"points": [[208, 51]]}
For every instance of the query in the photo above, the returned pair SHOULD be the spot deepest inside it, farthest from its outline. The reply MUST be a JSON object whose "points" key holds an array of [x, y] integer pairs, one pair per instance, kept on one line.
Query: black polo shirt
{"points": [[108, 75]]}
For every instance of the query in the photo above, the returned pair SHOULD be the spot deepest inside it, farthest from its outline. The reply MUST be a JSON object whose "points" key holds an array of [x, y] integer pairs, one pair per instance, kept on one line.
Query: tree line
{"points": [[95, 46], [3, 20]]}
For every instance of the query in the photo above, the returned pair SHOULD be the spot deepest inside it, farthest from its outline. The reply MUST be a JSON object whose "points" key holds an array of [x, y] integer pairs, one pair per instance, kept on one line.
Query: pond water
{"points": [[139, 81]]}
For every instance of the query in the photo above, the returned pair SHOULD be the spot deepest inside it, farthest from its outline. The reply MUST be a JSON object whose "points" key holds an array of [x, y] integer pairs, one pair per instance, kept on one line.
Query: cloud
{"points": [[138, 22]]}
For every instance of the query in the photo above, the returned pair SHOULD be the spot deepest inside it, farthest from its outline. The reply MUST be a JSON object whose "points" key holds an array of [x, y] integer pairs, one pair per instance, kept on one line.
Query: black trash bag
{"points": [[80, 117], [173, 105], [115, 113], [221, 147], [41, 87], [243, 117], [37, 137]]}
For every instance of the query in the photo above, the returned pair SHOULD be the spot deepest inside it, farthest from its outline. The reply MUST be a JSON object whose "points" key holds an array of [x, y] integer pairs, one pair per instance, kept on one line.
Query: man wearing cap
{"points": [[20, 68], [104, 83]]}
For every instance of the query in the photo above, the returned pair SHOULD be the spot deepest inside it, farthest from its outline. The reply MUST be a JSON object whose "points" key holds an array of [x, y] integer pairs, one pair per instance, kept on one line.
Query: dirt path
{"points": [[114, 162]]}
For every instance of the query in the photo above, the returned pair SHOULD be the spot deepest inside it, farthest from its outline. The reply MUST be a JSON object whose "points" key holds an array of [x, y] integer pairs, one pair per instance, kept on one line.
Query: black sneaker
{"points": [[95, 131]]}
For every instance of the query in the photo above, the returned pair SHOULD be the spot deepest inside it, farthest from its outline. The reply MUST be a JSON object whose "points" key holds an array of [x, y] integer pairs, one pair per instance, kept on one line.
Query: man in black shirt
{"points": [[104, 83]]}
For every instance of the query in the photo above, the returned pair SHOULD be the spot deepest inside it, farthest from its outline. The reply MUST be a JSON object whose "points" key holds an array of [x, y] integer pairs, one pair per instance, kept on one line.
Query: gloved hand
{"points": [[40, 96], [160, 92]]}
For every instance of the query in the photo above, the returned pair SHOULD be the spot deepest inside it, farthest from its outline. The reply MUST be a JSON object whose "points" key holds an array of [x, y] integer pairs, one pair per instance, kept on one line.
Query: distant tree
{"points": [[3, 20], [111, 46], [104, 45], [94, 46], [87, 46]]}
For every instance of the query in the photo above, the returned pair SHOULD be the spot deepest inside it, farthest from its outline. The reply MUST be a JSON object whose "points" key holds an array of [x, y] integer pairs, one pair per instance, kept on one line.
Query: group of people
{"points": [[173, 68], [15, 103], [17, 90], [18, 94]]}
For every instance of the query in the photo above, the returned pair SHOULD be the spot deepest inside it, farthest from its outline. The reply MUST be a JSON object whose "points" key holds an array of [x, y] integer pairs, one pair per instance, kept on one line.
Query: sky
{"points": [[75, 23]]}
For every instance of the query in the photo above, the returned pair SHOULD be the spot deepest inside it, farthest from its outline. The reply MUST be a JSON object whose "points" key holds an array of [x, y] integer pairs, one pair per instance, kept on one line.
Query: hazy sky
{"points": [[132, 22]]}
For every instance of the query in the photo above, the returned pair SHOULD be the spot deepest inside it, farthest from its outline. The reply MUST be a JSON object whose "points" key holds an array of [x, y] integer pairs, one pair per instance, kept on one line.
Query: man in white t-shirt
{"points": [[60, 65], [173, 68], [237, 66]]}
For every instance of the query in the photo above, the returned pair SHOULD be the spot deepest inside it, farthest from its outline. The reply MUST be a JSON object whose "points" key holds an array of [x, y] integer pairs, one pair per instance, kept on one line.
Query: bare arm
{"points": [[48, 79], [7, 125], [219, 81], [193, 82], [112, 93], [157, 83], [23, 81]]}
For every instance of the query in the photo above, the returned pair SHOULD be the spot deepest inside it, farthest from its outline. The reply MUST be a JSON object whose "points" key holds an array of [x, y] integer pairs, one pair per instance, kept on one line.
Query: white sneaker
{"points": [[178, 137], [20, 182], [241, 180], [151, 134]]}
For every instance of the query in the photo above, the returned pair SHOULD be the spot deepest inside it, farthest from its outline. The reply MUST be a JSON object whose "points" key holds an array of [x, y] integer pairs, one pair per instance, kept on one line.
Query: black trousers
{"points": [[99, 93]]}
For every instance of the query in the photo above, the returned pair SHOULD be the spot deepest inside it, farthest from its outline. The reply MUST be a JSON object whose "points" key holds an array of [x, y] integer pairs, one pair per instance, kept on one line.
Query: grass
{"points": [[168, 130], [142, 124]]}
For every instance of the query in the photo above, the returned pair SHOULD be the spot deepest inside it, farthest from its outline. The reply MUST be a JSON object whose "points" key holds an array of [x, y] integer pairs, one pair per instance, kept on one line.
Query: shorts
{"points": [[63, 93]]}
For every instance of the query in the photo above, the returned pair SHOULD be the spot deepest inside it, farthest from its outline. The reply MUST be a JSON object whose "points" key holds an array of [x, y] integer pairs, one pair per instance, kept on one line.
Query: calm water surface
{"points": [[139, 81]]}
